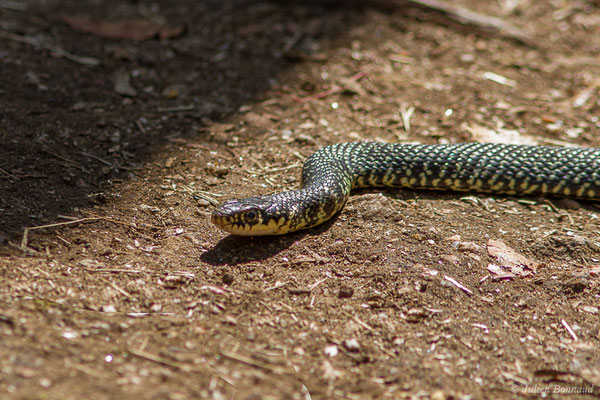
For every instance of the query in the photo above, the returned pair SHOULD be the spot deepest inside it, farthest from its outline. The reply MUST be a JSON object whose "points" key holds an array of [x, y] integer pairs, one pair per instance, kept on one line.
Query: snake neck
{"points": [[319, 202]]}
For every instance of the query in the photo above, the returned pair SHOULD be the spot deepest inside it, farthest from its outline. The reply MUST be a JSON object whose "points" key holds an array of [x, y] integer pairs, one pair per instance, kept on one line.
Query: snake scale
{"points": [[332, 172]]}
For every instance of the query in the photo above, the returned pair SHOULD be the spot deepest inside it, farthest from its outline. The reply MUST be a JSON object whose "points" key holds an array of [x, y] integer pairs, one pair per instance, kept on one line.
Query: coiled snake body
{"points": [[332, 172]]}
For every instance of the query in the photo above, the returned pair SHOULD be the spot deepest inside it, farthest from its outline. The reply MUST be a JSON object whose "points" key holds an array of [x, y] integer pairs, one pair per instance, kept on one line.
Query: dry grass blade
{"points": [[26, 231], [458, 285], [160, 360], [254, 363]]}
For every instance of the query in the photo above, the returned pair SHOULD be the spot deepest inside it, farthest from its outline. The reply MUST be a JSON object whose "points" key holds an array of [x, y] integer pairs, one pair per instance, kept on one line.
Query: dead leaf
{"points": [[510, 260], [134, 29], [257, 120]]}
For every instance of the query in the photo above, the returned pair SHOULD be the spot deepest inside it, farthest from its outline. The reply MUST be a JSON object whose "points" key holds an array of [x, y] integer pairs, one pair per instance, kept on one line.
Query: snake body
{"points": [[332, 172]]}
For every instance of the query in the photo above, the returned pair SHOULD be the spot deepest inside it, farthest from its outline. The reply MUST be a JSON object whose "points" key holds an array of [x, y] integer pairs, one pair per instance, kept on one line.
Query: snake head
{"points": [[247, 217]]}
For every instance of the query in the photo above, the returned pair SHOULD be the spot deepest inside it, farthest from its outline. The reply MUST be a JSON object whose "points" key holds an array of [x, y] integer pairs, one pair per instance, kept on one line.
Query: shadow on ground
{"points": [[234, 250], [67, 136]]}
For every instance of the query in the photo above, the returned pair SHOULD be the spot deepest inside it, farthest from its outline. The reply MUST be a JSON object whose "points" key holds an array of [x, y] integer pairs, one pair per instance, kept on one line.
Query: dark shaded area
{"points": [[66, 136], [66, 133], [235, 250]]}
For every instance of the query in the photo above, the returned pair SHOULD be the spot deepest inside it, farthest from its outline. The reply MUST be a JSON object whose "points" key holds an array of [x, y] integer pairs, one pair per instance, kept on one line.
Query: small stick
{"points": [[466, 16], [307, 290], [62, 239], [299, 156], [76, 164], [361, 322], [199, 194], [117, 288], [159, 360], [116, 271], [458, 285], [289, 45], [280, 169], [176, 109], [251, 362], [314, 285], [290, 309], [277, 286], [143, 314], [87, 371], [217, 289], [26, 231], [138, 123], [92, 62], [23, 272], [406, 113], [569, 329], [552, 206], [482, 326], [8, 174], [83, 153]]}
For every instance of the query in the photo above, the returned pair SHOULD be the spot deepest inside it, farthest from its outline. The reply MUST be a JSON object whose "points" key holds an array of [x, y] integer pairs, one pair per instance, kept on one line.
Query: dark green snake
{"points": [[331, 172]]}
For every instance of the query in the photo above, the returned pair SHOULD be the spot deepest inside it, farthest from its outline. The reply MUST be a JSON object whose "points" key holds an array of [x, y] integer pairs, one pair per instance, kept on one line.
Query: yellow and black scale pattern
{"points": [[332, 172]]}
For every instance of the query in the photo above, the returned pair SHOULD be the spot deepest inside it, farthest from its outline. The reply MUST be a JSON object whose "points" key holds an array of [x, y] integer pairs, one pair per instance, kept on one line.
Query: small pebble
{"points": [[449, 258], [109, 308], [351, 345], [577, 284], [345, 292], [440, 395], [590, 309], [469, 246], [45, 382], [227, 278], [420, 286], [331, 350]]}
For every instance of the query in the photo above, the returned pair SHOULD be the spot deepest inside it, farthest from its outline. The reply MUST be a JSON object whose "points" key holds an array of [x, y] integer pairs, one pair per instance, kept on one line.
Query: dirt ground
{"points": [[127, 143]]}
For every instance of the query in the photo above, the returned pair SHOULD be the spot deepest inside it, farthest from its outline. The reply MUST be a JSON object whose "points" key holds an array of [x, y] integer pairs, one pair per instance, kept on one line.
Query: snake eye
{"points": [[251, 216]]}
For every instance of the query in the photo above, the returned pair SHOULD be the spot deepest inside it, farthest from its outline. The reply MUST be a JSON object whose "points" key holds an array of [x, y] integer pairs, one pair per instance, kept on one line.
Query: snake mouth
{"points": [[225, 222], [230, 223]]}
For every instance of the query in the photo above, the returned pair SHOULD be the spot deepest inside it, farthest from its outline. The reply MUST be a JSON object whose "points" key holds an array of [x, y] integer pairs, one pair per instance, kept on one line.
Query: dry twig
{"points": [[254, 363], [361, 322], [458, 285], [161, 360], [52, 49], [466, 16], [276, 286], [26, 231], [569, 329]]}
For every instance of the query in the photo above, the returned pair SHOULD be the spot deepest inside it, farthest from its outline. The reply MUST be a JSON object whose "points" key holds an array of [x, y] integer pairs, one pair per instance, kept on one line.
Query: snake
{"points": [[330, 173]]}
